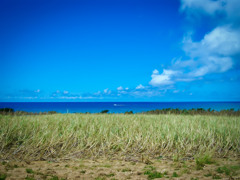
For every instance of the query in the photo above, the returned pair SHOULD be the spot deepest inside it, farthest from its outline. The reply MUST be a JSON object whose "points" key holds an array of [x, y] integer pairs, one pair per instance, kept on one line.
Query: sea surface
{"points": [[113, 107]]}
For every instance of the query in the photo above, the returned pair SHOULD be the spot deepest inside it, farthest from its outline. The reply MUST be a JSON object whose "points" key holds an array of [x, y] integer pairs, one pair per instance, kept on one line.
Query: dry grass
{"points": [[91, 135]]}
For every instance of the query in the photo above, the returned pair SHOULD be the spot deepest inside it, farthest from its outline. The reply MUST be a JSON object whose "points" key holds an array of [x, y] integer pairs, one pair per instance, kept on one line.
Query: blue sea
{"points": [[113, 107]]}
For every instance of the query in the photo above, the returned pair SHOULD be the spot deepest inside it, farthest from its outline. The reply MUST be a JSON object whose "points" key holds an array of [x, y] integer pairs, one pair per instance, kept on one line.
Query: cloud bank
{"points": [[215, 53]]}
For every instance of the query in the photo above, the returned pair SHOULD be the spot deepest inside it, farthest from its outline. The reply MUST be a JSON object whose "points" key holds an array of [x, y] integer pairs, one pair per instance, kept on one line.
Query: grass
{"points": [[208, 175], [201, 160], [100, 178], [154, 174], [216, 177], [110, 175], [175, 174], [54, 178], [228, 170], [29, 178], [61, 135], [151, 172], [126, 170], [3, 176], [30, 171]]}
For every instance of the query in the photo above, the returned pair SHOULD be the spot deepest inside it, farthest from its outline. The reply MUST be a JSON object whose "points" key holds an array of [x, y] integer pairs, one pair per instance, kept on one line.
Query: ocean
{"points": [[113, 107]]}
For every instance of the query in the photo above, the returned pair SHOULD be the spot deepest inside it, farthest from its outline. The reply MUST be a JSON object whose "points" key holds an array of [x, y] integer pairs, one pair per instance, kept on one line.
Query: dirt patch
{"points": [[101, 169]]}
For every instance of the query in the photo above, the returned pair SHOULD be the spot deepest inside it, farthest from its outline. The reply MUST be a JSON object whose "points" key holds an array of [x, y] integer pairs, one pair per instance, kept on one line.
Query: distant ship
{"points": [[118, 104]]}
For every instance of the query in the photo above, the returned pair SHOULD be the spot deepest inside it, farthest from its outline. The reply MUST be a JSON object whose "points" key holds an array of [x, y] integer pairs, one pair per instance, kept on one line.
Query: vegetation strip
{"points": [[138, 135]]}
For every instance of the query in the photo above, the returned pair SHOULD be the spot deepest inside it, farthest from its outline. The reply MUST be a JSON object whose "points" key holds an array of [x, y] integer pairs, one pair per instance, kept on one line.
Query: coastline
{"points": [[198, 111], [115, 107]]}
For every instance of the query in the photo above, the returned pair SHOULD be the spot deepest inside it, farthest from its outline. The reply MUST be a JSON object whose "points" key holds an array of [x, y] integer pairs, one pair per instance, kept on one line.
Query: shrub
{"points": [[128, 112], [6, 111], [104, 111]]}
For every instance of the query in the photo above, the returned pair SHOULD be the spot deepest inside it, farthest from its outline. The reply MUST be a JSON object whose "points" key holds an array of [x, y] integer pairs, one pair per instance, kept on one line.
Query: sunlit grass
{"points": [[84, 135]]}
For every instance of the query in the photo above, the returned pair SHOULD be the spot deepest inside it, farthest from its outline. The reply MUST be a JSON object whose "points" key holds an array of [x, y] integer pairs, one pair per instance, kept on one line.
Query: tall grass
{"points": [[84, 135]]}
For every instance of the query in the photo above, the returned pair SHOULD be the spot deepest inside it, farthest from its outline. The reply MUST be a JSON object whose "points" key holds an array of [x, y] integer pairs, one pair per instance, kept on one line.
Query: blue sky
{"points": [[121, 50]]}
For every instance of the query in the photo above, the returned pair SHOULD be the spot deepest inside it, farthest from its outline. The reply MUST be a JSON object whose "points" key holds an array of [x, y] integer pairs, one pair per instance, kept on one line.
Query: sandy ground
{"points": [[101, 169]]}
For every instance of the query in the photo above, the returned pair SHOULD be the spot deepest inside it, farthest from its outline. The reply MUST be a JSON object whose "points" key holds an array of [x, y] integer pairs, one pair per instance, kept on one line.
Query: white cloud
{"points": [[107, 91], [207, 6], [123, 92], [79, 97], [146, 92], [213, 54], [65, 92], [97, 93], [37, 91], [229, 9], [221, 41], [140, 86], [163, 79], [155, 71], [126, 88], [120, 88]]}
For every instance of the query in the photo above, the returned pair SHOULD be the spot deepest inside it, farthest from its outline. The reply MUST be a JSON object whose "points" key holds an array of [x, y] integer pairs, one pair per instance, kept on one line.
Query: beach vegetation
{"points": [[6, 111], [128, 112], [193, 111], [104, 111], [198, 111]]}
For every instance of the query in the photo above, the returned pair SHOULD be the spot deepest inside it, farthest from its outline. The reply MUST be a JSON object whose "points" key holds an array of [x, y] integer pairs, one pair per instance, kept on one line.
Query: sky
{"points": [[121, 50]]}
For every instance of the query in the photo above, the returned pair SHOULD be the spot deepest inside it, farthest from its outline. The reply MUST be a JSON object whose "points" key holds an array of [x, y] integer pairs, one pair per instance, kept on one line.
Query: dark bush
{"points": [[201, 111], [7, 110], [104, 111], [21, 113], [52, 112], [128, 112]]}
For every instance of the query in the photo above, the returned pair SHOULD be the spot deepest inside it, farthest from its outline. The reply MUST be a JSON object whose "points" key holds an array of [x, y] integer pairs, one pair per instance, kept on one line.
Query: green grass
{"points": [[175, 174], [100, 178], [29, 178], [83, 171], [151, 172], [154, 174], [216, 177], [3, 176], [110, 175], [201, 160], [228, 170], [60, 135], [54, 178], [30, 171], [208, 175], [106, 165], [126, 170]]}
